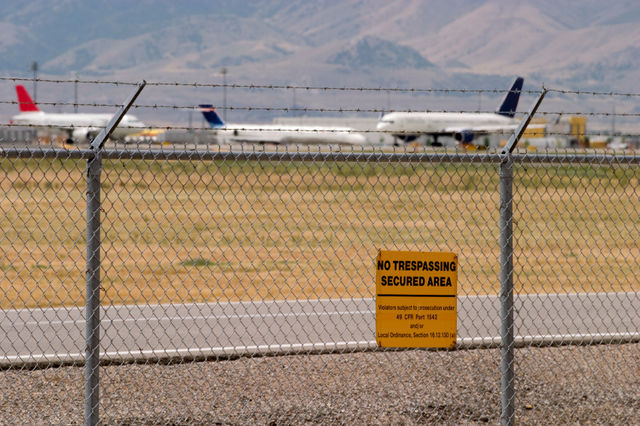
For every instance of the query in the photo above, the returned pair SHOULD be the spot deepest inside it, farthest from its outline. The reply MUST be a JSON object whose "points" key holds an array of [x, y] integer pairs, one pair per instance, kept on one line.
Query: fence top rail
{"points": [[373, 155], [40, 153], [287, 154]]}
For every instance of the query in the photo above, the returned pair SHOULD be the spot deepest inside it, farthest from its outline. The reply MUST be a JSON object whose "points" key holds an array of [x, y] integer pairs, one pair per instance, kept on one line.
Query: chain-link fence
{"points": [[212, 261], [203, 283]]}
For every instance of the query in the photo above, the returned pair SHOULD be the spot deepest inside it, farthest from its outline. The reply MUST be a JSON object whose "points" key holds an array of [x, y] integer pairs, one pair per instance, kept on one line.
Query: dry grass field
{"points": [[192, 231]]}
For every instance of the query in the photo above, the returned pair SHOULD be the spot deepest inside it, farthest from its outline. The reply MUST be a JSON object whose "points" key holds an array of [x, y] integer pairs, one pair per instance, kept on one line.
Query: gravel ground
{"points": [[592, 384]]}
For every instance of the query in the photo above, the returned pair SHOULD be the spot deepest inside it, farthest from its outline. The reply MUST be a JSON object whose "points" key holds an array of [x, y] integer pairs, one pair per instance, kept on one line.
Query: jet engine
{"points": [[464, 137], [81, 135], [406, 137]]}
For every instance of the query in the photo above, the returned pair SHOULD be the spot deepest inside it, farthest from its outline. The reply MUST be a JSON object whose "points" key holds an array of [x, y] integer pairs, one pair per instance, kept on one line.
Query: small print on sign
{"points": [[416, 299]]}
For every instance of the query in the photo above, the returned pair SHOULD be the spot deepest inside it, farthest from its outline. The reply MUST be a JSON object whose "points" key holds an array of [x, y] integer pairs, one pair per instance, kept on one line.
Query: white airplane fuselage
{"points": [[77, 123], [464, 127], [281, 134], [77, 127], [441, 122]]}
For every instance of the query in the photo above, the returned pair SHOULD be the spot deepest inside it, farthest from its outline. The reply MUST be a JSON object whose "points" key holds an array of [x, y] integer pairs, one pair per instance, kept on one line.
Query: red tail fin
{"points": [[24, 100]]}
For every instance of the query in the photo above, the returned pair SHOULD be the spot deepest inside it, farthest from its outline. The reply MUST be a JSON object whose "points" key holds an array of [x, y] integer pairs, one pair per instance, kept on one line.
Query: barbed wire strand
{"points": [[265, 86], [319, 88], [319, 109], [318, 130]]}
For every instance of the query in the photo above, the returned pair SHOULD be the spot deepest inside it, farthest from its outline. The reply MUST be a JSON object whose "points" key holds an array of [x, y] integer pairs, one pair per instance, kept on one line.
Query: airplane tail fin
{"points": [[510, 101], [24, 100], [211, 116]]}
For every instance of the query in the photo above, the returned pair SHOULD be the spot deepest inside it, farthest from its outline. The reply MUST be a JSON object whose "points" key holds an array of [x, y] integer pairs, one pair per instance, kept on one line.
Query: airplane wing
{"points": [[469, 133], [249, 136], [479, 130], [248, 140]]}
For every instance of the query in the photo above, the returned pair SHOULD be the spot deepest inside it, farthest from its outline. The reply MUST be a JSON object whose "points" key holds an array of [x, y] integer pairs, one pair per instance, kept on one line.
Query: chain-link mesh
{"points": [[214, 261], [244, 256], [576, 265], [42, 286]]}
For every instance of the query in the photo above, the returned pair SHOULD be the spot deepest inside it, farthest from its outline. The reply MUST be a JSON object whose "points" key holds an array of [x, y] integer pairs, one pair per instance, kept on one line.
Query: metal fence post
{"points": [[506, 269], [92, 309], [92, 397], [506, 289]]}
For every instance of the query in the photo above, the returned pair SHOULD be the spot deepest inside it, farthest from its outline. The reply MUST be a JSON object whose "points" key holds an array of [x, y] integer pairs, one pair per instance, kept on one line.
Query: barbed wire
{"points": [[318, 109], [307, 129], [319, 88], [267, 86], [271, 86], [592, 93], [240, 108]]}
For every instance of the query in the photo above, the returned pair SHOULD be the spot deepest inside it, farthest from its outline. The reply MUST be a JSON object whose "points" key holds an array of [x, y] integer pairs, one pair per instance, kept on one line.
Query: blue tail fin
{"points": [[211, 116], [510, 101]]}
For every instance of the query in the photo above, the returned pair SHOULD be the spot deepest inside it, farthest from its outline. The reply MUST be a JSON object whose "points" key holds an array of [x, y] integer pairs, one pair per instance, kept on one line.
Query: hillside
{"points": [[571, 44]]}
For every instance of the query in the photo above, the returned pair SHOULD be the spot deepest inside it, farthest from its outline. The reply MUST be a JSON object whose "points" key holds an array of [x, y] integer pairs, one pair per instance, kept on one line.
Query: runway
{"points": [[56, 336]]}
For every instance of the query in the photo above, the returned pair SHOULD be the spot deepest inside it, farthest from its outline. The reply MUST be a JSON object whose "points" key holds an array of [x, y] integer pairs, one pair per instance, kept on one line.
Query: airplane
{"points": [[463, 127], [279, 134], [77, 127]]}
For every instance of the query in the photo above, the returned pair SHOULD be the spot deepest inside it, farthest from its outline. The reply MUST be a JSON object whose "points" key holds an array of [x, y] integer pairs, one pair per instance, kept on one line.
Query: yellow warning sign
{"points": [[416, 299]]}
